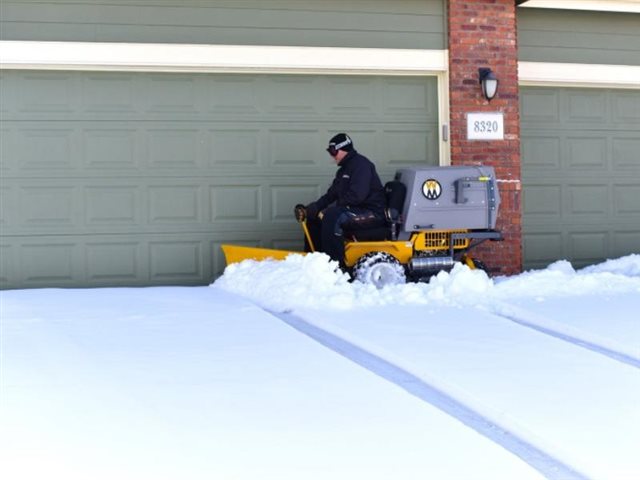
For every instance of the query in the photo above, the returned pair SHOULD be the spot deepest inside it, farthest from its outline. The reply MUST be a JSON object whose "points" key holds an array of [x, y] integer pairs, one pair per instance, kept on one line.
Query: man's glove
{"points": [[300, 212]]}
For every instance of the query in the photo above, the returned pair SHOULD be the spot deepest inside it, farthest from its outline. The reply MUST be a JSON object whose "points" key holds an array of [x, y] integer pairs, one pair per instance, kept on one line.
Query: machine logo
{"points": [[431, 189]]}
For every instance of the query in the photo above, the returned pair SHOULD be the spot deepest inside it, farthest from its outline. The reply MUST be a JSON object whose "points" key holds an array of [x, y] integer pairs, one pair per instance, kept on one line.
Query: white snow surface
{"points": [[551, 355], [430, 380], [314, 281]]}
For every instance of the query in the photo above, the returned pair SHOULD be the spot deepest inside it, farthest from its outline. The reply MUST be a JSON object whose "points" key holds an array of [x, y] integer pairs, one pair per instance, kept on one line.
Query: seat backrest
{"points": [[396, 192]]}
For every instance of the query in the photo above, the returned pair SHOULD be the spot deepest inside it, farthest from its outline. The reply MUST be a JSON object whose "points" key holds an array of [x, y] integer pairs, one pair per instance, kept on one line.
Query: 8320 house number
{"points": [[480, 126], [485, 126]]}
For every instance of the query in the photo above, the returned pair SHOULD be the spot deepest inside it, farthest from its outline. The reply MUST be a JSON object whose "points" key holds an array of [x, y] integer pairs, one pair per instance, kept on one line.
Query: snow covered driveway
{"points": [[197, 383], [531, 376], [560, 401]]}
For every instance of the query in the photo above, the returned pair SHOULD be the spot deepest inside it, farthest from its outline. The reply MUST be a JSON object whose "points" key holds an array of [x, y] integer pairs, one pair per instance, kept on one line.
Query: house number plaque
{"points": [[485, 126]]}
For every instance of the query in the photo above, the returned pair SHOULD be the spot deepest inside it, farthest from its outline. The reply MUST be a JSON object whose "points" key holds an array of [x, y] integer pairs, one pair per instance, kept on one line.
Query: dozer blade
{"points": [[237, 253]]}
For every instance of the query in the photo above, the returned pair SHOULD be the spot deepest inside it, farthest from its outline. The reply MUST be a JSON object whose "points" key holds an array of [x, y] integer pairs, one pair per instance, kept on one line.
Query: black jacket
{"points": [[356, 184]]}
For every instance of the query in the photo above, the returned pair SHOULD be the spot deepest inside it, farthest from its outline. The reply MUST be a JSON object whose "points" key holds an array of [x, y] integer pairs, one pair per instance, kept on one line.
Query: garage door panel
{"points": [[539, 105], [581, 176], [624, 242], [542, 202], [588, 247], [109, 148], [587, 202], [291, 96], [44, 262], [49, 206], [173, 93], [237, 203], [626, 201], [40, 148], [42, 92], [285, 197], [586, 106], [232, 94], [352, 96], [626, 154], [412, 97], [41, 205], [113, 262], [626, 107], [541, 151], [174, 204], [293, 146], [588, 152], [401, 147], [174, 148], [234, 146], [175, 260], [112, 205], [111, 92], [542, 248]]}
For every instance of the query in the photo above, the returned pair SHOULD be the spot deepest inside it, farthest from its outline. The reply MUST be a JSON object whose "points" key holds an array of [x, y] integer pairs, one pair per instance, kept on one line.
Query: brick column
{"points": [[482, 33]]}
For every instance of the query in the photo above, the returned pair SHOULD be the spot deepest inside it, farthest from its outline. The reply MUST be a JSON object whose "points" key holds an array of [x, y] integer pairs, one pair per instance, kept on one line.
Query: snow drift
{"points": [[315, 281]]}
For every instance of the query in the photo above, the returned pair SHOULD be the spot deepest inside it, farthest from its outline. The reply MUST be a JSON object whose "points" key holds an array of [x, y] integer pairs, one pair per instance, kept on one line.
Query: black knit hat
{"points": [[341, 141]]}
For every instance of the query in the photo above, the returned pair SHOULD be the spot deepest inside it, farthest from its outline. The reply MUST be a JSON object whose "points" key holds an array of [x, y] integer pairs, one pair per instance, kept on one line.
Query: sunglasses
{"points": [[333, 148], [332, 151]]}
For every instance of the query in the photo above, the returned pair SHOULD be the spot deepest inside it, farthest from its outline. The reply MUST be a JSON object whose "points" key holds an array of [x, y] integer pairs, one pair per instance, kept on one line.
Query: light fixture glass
{"points": [[489, 83]]}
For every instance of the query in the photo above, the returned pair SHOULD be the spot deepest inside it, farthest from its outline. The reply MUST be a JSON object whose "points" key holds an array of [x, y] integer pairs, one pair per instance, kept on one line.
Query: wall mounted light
{"points": [[489, 83]]}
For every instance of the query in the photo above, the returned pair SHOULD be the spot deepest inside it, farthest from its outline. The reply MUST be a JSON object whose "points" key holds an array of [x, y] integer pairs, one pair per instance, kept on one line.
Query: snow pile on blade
{"points": [[314, 281], [280, 284]]}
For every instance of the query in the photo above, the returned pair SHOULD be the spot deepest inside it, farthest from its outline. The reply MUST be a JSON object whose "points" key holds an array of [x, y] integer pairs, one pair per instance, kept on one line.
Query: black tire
{"points": [[379, 269], [477, 264]]}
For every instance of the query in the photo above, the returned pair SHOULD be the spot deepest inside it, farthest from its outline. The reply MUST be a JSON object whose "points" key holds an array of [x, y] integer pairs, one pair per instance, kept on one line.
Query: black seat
{"points": [[395, 193]]}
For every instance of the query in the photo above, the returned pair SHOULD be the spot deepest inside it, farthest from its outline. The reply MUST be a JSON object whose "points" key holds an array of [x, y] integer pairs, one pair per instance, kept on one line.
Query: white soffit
{"points": [[578, 74], [218, 58], [632, 6]]}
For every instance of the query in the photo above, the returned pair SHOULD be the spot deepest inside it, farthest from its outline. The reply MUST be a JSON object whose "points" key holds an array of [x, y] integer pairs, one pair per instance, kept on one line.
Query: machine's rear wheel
{"points": [[379, 269], [481, 265]]}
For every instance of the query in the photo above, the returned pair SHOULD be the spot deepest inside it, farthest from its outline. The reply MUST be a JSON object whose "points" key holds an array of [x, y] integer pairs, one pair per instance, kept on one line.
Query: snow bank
{"points": [[560, 279], [314, 281], [628, 266]]}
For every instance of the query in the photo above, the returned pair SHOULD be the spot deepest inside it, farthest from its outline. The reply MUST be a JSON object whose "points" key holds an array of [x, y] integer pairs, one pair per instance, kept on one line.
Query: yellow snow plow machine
{"points": [[435, 215]]}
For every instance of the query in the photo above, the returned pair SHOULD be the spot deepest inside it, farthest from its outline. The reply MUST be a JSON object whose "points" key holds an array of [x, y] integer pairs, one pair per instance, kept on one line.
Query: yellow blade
{"points": [[237, 253]]}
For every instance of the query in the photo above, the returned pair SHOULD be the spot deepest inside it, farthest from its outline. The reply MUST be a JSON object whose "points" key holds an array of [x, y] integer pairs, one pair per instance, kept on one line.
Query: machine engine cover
{"points": [[446, 198]]}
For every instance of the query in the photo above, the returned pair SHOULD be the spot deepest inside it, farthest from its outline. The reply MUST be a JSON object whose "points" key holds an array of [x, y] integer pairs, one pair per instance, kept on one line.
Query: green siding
{"points": [[136, 179], [566, 36], [581, 174], [329, 23]]}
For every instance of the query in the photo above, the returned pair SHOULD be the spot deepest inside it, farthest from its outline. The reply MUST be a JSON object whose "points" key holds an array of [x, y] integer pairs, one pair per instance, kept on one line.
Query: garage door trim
{"points": [[218, 58], [578, 75]]}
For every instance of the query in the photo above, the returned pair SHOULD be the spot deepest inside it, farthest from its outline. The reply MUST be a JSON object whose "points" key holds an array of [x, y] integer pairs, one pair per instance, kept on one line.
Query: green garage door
{"points": [[136, 179], [581, 174]]}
